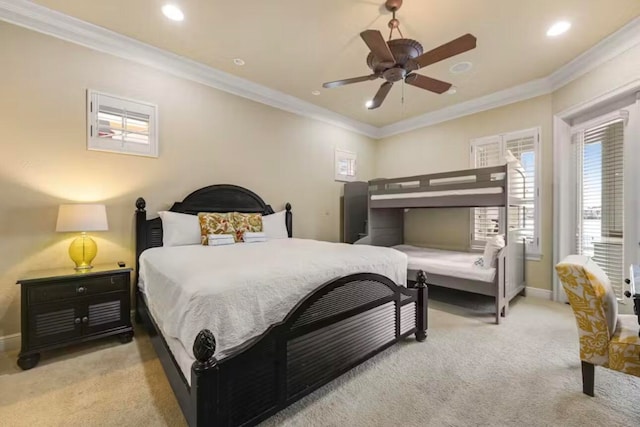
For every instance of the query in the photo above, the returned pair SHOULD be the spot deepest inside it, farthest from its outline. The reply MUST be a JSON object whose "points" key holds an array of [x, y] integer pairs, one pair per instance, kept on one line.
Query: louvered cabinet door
{"points": [[54, 323], [106, 312]]}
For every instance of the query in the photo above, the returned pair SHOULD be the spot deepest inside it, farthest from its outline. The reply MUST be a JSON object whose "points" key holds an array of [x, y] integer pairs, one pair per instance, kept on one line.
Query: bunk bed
{"points": [[498, 186]]}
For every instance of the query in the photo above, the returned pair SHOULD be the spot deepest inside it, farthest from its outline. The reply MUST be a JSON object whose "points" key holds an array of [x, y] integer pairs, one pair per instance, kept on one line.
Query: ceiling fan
{"points": [[398, 59]]}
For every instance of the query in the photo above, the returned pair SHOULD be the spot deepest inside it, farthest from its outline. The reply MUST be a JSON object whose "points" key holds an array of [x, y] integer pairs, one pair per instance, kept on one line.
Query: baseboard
{"points": [[9, 343], [539, 293]]}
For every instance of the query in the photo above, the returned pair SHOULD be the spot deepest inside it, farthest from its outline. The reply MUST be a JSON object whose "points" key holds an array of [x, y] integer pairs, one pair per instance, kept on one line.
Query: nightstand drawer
{"points": [[77, 288], [48, 293], [105, 284]]}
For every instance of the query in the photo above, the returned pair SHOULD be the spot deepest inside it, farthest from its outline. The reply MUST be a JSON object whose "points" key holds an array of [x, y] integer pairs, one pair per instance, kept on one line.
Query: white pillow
{"points": [[179, 229], [491, 250], [274, 225]]}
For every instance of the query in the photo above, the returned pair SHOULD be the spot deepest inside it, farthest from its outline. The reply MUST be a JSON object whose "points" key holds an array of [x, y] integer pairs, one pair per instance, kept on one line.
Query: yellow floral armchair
{"points": [[606, 338]]}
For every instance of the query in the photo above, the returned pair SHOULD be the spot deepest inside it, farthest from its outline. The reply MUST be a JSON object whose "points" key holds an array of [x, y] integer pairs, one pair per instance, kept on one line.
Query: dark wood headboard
{"points": [[215, 198]]}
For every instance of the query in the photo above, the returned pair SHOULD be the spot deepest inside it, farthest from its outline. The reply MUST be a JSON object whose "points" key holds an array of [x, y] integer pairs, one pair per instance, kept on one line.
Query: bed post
{"points": [[500, 282], [421, 306], [289, 220], [141, 245], [523, 292], [204, 381], [141, 230]]}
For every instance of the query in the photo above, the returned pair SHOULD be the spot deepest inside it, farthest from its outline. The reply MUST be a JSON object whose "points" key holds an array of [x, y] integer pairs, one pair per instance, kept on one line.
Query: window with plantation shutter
{"points": [[600, 201], [492, 151], [121, 125], [523, 145], [485, 222]]}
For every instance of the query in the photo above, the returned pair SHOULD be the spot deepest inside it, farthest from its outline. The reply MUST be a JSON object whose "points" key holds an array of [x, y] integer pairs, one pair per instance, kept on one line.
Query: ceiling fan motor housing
{"points": [[403, 50]]}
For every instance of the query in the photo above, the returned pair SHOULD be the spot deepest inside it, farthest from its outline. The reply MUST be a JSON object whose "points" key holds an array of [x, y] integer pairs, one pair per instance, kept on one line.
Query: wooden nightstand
{"points": [[63, 306]]}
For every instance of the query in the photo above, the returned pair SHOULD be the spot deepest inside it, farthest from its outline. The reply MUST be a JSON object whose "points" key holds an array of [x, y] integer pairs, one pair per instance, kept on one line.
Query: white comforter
{"points": [[238, 291]]}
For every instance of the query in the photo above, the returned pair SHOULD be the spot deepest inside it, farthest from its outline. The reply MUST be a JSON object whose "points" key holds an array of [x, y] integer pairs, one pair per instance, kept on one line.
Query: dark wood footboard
{"points": [[342, 324]]}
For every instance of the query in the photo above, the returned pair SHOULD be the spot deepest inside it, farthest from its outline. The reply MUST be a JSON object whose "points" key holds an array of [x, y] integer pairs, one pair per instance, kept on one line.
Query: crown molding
{"points": [[518, 93], [39, 18], [608, 48]]}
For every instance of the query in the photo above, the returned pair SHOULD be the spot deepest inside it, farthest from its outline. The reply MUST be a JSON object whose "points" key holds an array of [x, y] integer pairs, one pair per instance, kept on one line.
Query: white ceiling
{"points": [[295, 46]]}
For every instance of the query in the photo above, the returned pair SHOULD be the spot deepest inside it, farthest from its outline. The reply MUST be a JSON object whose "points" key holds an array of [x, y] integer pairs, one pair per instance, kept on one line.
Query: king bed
{"points": [[245, 330]]}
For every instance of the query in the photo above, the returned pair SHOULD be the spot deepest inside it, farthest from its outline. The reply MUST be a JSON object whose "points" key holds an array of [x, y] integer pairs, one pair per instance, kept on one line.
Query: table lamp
{"points": [[83, 218]]}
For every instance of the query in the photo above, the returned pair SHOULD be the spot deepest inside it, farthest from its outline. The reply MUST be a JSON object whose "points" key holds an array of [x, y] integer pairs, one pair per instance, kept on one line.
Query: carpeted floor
{"points": [[468, 372]]}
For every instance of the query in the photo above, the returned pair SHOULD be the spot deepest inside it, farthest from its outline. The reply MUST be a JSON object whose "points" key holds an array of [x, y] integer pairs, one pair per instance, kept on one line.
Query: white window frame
{"points": [[628, 239], [343, 155], [533, 249], [95, 143]]}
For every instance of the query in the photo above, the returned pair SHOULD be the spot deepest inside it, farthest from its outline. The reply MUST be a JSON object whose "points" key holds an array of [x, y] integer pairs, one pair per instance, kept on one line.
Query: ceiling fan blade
{"points": [[378, 46], [337, 83], [380, 96], [427, 83], [447, 50]]}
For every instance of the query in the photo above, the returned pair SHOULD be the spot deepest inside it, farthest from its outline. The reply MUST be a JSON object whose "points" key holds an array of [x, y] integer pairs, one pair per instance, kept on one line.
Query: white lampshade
{"points": [[82, 217]]}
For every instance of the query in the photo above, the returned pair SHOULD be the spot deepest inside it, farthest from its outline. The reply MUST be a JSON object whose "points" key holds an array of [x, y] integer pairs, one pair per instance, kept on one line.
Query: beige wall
{"points": [[445, 147], [206, 137], [617, 72]]}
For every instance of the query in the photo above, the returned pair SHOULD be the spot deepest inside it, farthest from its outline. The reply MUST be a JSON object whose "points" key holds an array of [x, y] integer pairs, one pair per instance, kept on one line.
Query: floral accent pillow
{"points": [[242, 222], [214, 223]]}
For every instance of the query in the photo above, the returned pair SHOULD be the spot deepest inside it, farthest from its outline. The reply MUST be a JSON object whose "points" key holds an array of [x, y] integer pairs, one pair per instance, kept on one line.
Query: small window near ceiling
{"points": [[121, 125], [345, 167]]}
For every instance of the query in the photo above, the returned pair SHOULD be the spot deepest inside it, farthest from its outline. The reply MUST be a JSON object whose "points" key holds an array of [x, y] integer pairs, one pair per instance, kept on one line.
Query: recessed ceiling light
{"points": [[452, 90], [239, 62], [172, 12], [558, 28], [461, 67], [315, 92], [369, 103]]}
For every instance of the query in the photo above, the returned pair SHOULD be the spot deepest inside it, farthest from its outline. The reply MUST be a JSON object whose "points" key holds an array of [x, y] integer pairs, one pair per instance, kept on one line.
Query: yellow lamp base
{"points": [[82, 251]]}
